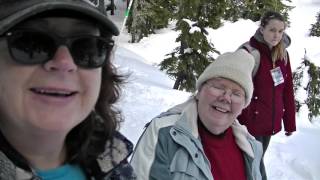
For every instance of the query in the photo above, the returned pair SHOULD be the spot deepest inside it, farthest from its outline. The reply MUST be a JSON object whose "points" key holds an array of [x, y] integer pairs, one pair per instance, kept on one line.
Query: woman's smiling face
{"points": [[220, 101], [51, 97]]}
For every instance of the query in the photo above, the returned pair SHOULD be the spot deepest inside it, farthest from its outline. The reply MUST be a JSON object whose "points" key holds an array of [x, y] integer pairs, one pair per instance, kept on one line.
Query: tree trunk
{"points": [[134, 21], [112, 7], [177, 84]]}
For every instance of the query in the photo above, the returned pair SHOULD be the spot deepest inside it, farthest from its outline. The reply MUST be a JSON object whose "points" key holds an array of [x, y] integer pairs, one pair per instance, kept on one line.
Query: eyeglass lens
{"points": [[219, 90], [28, 47]]}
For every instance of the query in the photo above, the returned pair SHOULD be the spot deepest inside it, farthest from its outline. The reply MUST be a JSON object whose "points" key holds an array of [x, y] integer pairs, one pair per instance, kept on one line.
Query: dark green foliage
{"points": [[188, 61], [139, 26], [185, 77], [149, 15], [315, 28], [234, 10], [312, 88], [254, 9], [313, 99], [297, 78]]}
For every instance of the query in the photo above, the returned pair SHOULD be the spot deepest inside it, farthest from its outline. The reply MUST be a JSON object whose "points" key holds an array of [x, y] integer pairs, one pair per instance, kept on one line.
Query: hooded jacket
{"points": [[270, 104], [111, 165], [170, 148]]}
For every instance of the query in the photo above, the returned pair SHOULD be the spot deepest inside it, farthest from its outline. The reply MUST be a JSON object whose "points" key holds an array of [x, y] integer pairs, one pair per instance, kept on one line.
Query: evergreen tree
{"points": [[188, 61], [297, 78], [312, 88], [161, 12], [254, 9], [315, 28], [148, 15], [313, 99], [234, 10], [139, 26]]}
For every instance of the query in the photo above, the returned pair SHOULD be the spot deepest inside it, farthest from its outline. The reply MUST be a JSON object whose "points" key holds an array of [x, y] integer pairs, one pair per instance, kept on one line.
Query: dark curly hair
{"points": [[88, 139]]}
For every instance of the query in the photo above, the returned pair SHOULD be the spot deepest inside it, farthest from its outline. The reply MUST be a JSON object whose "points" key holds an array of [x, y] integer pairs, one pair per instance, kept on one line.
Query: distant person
{"points": [[273, 99], [58, 87], [201, 138]]}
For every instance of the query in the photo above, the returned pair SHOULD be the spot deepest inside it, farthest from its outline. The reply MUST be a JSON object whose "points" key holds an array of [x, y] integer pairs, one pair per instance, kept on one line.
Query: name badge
{"points": [[277, 76]]}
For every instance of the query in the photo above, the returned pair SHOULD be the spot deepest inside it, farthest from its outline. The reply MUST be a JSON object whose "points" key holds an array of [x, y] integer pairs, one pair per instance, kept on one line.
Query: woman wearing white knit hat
{"points": [[201, 138]]}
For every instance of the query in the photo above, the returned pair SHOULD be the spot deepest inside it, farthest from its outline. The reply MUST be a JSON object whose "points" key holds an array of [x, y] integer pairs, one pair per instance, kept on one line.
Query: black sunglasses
{"points": [[31, 47]]}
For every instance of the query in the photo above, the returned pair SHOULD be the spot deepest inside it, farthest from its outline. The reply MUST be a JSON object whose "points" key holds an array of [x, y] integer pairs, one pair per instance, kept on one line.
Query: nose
{"points": [[62, 61], [278, 35], [226, 96]]}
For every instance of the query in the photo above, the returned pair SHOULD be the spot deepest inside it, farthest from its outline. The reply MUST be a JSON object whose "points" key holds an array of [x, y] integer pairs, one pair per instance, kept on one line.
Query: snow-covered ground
{"points": [[148, 91]]}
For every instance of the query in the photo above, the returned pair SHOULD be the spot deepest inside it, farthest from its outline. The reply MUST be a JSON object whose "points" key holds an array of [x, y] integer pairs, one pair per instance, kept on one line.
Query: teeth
{"points": [[221, 110], [52, 92]]}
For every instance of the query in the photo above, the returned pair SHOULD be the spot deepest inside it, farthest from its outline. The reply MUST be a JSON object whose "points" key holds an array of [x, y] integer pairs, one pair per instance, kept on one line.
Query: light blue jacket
{"points": [[170, 148]]}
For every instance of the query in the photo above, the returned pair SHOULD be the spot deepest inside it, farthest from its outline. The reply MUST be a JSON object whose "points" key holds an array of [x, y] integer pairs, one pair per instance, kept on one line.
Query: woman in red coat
{"points": [[273, 100]]}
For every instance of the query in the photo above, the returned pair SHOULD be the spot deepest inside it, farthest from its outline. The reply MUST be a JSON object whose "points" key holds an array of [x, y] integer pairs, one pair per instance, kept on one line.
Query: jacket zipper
{"points": [[273, 100], [273, 108]]}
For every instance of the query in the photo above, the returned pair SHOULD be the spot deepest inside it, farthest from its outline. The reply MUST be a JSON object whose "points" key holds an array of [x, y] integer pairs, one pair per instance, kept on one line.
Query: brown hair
{"points": [[279, 51], [88, 139]]}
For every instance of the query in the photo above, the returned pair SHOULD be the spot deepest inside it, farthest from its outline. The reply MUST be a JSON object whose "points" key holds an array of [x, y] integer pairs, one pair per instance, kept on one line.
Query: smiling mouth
{"points": [[220, 109], [53, 93]]}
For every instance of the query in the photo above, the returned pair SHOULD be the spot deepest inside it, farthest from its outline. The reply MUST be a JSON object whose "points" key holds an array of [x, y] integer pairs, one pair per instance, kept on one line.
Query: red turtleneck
{"points": [[225, 156]]}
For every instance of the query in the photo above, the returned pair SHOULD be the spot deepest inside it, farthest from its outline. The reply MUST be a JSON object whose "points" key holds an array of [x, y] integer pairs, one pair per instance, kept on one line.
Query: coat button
{"points": [[174, 133], [256, 112], [284, 110], [256, 97]]}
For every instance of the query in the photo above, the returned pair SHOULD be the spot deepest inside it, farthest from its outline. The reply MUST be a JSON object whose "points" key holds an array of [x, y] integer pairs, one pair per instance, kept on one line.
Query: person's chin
{"points": [[274, 43], [56, 119], [56, 126]]}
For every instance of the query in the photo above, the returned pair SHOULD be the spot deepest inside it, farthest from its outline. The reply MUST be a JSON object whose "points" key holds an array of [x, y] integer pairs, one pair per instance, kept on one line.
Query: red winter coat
{"points": [[269, 104]]}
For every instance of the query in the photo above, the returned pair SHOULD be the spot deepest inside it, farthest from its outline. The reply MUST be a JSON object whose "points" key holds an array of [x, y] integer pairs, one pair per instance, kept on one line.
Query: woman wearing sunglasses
{"points": [[57, 90]]}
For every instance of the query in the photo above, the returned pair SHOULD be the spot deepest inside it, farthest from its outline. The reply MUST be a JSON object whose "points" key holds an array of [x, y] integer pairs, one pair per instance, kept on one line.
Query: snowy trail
{"points": [[296, 157]]}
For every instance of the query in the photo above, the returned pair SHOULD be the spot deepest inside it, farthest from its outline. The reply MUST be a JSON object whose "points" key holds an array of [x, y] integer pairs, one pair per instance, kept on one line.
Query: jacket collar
{"points": [[117, 151], [188, 122], [13, 166], [259, 37]]}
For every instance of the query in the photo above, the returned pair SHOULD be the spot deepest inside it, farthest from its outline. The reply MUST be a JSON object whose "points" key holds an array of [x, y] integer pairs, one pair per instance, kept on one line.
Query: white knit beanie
{"points": [[236, 66]]}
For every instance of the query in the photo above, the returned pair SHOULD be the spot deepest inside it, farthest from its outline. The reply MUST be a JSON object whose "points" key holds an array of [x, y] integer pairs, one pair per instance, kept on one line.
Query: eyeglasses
{"points": [[219, 90], [31, 47]]}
